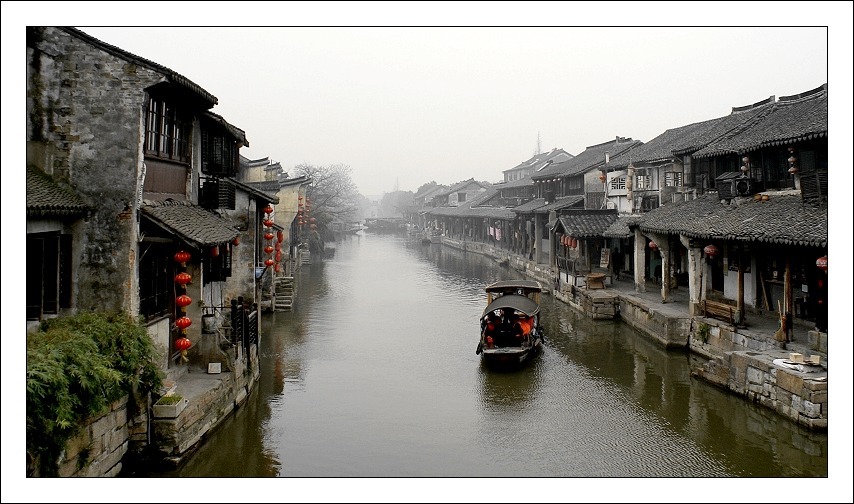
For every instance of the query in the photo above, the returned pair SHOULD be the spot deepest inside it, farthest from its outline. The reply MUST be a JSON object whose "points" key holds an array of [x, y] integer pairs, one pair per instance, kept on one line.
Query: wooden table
{"points": [[595, 280]]}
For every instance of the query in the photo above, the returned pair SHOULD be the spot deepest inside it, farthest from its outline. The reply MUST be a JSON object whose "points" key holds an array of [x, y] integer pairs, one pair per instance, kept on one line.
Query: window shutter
{"points": [[65, 271]]}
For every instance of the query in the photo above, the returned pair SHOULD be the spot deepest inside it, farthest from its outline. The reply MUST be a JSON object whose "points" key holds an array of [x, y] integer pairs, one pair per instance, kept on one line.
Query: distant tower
{"points": [[539, 149], [396, 184]]}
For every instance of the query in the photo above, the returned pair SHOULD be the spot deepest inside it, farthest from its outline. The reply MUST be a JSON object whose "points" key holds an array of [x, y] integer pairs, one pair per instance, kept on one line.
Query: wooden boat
{"points": [[510, 330]]}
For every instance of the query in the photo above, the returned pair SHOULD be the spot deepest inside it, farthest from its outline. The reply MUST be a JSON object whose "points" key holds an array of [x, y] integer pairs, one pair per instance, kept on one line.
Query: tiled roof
{"points": [[459, 185], [690, 138], [236, 133], [522, 182], [791, 119], [620, 227], [565, 202], [785, 219], [530, 206], [587, 223], [473, 208], [172, 76], [46, 198], [539, 159], [247, 163], [592, 156], [257, 193], [191, 222]]}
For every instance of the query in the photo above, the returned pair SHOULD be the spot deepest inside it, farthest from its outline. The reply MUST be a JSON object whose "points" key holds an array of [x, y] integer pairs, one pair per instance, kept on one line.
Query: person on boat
{"points": [[491, 323], [523, 326]]}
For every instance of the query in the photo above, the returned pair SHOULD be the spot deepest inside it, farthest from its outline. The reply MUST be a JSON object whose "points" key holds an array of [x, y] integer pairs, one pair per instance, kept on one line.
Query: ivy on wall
{"points": [[76, 367]]}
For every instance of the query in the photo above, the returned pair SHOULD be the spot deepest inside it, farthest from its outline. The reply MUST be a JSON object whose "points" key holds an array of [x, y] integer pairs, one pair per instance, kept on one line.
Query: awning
{"points": [[192, 223]]}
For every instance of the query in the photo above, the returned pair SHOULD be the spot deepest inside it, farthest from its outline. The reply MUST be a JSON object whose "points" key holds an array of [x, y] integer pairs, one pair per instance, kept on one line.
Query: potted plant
{"points": [[170, 406]]}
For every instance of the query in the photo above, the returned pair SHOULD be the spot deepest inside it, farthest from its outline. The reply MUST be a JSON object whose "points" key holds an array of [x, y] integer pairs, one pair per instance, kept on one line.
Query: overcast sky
{"points": [[403, 106]]}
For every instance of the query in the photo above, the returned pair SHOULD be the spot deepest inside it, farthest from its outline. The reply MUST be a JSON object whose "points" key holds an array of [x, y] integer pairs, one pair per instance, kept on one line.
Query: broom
{"points": [[780, 335]]}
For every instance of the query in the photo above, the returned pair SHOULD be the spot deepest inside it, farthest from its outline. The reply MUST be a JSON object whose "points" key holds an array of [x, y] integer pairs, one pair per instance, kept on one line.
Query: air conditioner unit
{"points": [[742, 186]]}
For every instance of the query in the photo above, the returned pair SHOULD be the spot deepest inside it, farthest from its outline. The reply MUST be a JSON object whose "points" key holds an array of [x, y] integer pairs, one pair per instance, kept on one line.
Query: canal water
{"points": [[374, 374]]}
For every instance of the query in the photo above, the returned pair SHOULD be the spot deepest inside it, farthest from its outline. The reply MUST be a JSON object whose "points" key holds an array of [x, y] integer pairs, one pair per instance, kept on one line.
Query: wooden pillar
{"points": [[664, 252], [739, 301], [787, 297]]}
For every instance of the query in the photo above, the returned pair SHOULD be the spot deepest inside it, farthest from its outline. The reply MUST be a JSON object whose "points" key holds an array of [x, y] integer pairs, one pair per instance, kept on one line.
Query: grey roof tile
{"points": [[191, 222], [785, 219], [791, 119], [587, 223], [46, 198], [592, 157], [620, 227]]}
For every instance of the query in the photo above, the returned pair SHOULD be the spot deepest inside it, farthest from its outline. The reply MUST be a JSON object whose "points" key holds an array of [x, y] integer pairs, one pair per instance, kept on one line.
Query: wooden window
{"points": [[218, 268], [219, 154], [649, 203], [643, 182], [156, 280], [167, 131], [48, 274]]}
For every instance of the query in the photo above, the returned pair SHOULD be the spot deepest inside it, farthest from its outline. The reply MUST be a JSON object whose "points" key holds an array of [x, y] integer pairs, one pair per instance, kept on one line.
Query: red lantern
{"points": [[268, 249], [236, 241], [312, 219], [183, 278], [268, 209], [215, 251], [280, 236], [573, 242], [652, 245], [183, 322], [821, 263], [183, 343], [602, 177], [278, 268], [278, 246], [268, 236], [268, 223], [182, 257], [300, 198], [268, 262], [710, 250], [183, 300], [279, 256]]}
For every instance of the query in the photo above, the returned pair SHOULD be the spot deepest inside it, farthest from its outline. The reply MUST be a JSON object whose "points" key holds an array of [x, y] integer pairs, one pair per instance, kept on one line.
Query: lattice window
{"points": [[618, 182], [673, 179]]}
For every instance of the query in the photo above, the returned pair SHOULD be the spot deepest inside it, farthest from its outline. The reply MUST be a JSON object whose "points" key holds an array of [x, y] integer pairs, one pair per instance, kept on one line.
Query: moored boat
{"points": [[510, 330]]}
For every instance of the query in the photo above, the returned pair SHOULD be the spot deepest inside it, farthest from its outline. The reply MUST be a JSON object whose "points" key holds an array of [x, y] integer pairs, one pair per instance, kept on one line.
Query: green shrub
{"points": [[76, 367], [703, 332]]}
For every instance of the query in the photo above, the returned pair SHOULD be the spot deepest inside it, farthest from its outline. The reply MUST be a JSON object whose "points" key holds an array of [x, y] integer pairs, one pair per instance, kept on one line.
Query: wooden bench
{"points": [[719, 310]]}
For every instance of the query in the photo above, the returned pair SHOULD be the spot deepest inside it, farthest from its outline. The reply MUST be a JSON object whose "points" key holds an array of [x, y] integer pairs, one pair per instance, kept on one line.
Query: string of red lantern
{"points": [[182, 344], [268, 235]]}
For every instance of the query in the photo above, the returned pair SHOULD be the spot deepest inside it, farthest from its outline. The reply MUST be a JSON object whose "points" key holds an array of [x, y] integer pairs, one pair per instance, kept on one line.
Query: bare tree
{"points": [[332, 191]]}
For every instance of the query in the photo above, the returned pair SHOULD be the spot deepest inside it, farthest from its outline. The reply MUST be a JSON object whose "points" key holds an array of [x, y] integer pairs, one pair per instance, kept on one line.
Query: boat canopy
{"points": [[508, 286], [513, 301]]}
